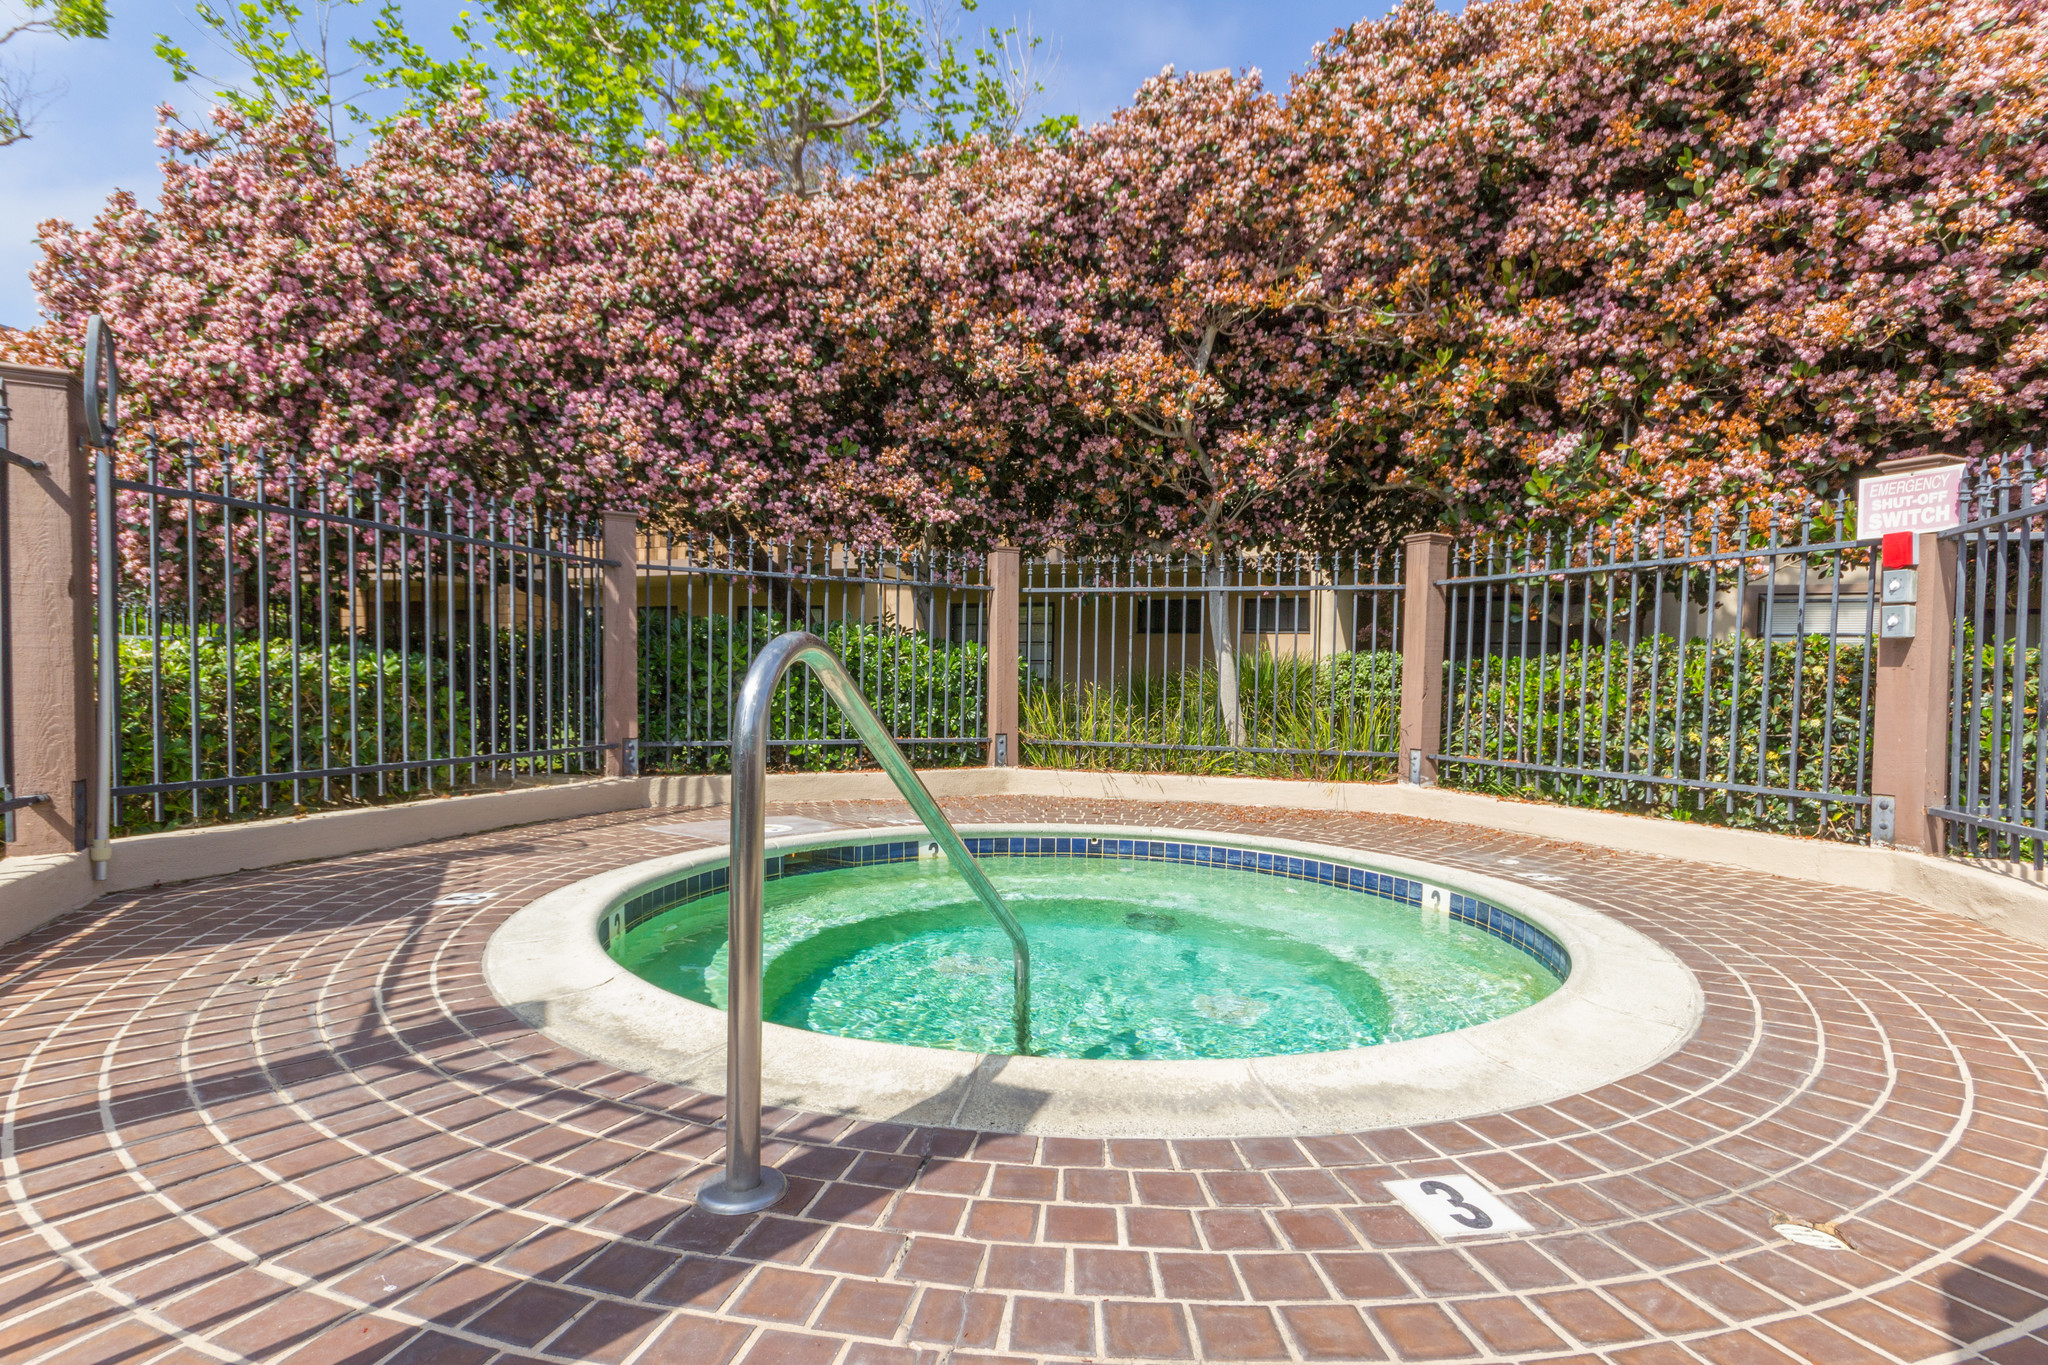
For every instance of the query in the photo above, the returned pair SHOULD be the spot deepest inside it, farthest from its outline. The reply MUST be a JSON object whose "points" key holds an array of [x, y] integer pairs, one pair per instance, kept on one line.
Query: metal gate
{"points": [[1273, 665], [1997, 761], [276, 634], [1719, 672]]}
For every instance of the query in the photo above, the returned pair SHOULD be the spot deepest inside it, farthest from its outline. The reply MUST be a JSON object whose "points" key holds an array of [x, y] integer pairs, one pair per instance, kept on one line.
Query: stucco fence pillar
{"points": [[48, 606]]}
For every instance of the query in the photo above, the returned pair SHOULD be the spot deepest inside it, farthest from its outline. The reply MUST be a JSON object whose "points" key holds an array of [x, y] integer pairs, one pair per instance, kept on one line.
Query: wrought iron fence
{"points": [[1277, 665], [300, 637], [1998, 799], [1705, 672], [911, 628]]}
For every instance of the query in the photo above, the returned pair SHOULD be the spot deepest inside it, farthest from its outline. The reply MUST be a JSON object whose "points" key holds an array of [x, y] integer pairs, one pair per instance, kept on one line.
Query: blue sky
{"points": [[96, 135]]}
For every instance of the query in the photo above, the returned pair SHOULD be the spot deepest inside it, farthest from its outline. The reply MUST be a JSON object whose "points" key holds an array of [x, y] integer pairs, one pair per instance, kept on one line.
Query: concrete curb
{"points": [[37, 888], [2011, 899]]}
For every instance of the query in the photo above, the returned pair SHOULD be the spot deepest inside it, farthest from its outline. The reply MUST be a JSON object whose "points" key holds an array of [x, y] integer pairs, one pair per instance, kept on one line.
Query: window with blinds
{"points": [[1276, 616], [1819, 614], [1034, 637], [1169, 616], [967, 623]]}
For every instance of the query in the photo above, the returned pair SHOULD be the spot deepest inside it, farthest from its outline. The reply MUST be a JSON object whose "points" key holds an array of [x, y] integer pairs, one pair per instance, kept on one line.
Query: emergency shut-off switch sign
{"points": [[1898, 509], [1923, 500]]}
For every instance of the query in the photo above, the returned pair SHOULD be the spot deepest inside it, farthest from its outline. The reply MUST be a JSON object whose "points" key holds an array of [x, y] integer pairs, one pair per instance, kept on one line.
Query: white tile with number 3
{"points": [[1457, 1206]]}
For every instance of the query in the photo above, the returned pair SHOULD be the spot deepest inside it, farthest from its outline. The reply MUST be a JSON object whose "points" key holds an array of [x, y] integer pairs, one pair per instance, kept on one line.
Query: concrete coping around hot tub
{"points": [[1626, 1004]]}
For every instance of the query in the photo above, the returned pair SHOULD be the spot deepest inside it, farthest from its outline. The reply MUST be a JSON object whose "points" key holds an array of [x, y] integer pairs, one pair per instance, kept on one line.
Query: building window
{"points": [[1034, 637], [1276, 615], [967, 623], [1169, 616]]}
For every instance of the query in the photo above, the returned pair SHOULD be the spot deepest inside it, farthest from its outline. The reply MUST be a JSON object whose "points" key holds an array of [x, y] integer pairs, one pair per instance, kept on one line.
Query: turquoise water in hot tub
{"points": [[1130, 959]]}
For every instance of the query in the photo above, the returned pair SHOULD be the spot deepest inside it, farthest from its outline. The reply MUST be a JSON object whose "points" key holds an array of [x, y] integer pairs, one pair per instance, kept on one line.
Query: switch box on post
{"points": [[1896, 622], [1901, 585]]}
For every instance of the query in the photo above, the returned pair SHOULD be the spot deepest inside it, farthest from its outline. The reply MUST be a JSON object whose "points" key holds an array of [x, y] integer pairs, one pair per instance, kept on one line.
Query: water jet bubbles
{"points": [[1236, 1010], [1152, 921]]}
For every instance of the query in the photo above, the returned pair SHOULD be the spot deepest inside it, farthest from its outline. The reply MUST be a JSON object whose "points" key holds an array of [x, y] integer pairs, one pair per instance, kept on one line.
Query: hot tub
{"points": [[1182, 985]]}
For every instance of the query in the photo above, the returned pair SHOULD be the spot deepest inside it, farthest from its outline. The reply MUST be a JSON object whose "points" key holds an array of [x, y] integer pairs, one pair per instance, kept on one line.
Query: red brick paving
{"points": [[277, 1116]]}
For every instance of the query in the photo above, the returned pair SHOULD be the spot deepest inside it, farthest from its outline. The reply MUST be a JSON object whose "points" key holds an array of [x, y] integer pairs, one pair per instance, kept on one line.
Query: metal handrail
{"points": [[747, 1188]]}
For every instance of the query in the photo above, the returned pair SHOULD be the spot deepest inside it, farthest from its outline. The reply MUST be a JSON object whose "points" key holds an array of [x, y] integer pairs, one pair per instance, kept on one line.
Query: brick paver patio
{"points": [[278, 1116]]}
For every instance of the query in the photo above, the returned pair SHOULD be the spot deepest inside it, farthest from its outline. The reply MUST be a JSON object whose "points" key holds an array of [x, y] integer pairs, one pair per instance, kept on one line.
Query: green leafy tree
{"points": [[803, 87], [992, 89], [278, 53], [22, 96]]}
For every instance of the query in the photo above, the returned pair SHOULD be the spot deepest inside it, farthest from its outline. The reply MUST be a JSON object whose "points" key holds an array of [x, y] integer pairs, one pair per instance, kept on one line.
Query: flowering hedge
{"points": [[1648, 251], [1584, 261]]}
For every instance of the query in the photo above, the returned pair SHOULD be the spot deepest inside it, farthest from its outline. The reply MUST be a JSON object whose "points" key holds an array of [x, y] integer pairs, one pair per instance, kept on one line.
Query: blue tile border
{"points": [[1501, 923], [712, 881]]}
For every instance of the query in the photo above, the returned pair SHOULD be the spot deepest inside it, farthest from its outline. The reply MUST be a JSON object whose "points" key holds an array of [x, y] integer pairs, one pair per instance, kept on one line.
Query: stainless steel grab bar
{"points": [[747, 1188]]}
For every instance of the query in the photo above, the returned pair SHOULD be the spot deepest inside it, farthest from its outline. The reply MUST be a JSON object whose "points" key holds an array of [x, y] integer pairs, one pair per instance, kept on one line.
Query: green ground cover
{"points": [[1300, 717]]}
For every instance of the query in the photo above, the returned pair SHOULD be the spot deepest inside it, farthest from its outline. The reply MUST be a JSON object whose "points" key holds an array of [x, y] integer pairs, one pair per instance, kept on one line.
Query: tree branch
{"points": [[803, 127], [1446, 496], [833, 125], [26, 26]]}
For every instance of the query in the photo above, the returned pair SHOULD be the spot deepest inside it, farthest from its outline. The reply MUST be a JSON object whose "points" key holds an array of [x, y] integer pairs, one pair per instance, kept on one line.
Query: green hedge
{"points": [[689, 667], [1172, 721], [1999, 703], [167, 730], [417, 694], [1640, 710], [692, 666]]}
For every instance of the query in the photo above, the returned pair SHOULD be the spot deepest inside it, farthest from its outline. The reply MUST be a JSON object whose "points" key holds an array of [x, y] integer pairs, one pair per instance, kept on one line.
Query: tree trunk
{"points": [[785, 597], [1223, 638]]}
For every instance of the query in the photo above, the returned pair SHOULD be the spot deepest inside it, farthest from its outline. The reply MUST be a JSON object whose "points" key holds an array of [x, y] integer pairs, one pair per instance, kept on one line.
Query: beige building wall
{"points": [[686, 588]]}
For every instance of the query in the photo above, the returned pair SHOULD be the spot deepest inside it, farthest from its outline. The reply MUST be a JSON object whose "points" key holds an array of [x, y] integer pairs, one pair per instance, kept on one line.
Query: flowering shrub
{"points": [[375, 315], [1639, 251], [1113, 333], [1577, 261]]}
